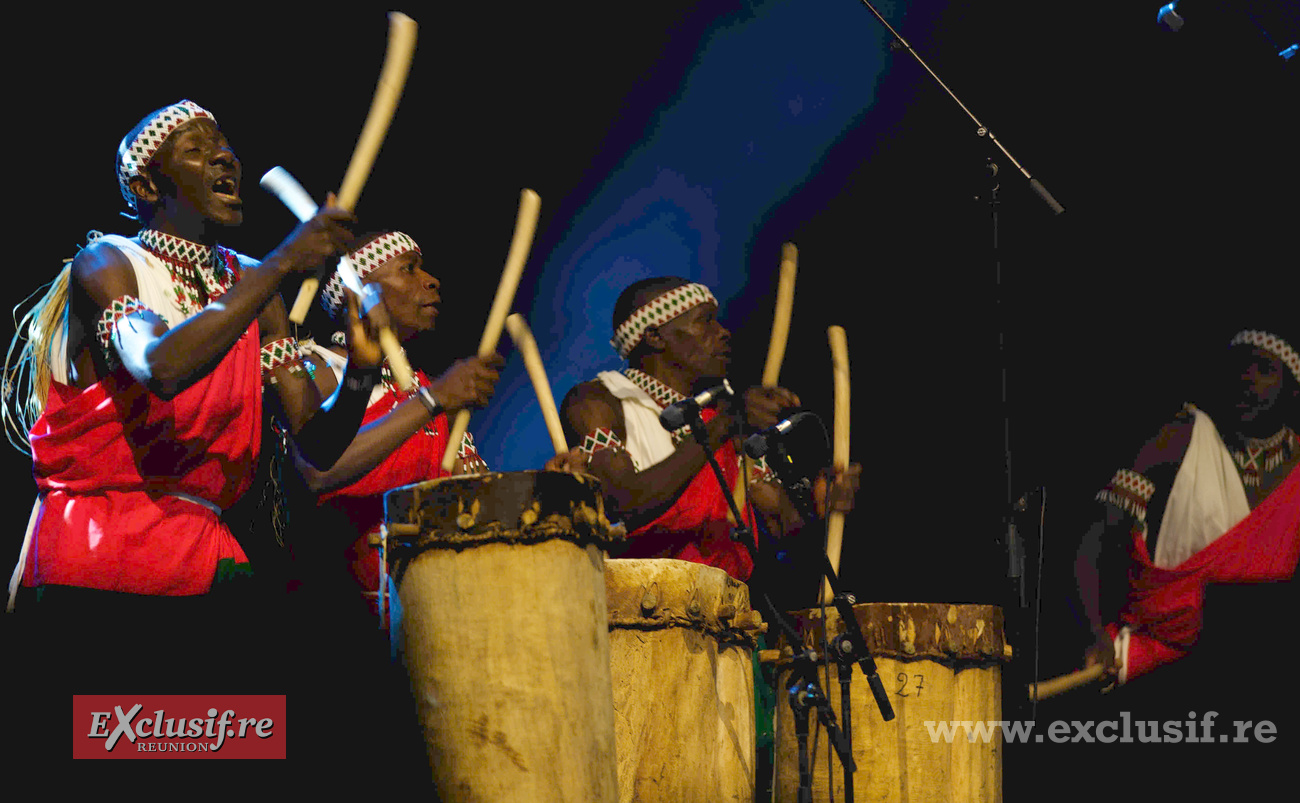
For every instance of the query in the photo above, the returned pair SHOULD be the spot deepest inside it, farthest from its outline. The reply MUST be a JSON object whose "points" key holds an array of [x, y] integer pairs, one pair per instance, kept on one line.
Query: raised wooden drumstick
{"points": [[781, 318], [523, 337], [392, 79], [775, 348], [525, 225], [283, 185], [1064, 683], [840, 452]]}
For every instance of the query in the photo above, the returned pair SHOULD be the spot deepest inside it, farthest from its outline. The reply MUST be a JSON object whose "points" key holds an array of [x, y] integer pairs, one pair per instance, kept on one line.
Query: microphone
{"points": [[676, 415], [756, 445]]}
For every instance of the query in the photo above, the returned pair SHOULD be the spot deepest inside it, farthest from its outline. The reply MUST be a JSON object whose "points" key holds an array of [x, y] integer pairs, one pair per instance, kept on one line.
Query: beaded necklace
{"points": [[197, 270], [1265, 454], [662, 395]]}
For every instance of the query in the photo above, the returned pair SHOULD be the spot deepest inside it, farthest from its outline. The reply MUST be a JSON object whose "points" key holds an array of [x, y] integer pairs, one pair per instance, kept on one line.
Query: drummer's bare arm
{"points": [[468, 383], [321, 423], [638, 496], [1102, 560]]}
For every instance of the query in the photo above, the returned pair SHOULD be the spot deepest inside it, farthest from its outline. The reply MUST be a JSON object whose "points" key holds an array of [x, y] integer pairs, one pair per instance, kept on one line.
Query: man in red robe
{"points": [[1224, 497]]}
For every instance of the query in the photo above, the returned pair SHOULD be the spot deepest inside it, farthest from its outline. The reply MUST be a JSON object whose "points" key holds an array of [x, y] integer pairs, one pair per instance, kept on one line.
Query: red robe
{"points": [[362, 502], [1164, 608], [696, 528], [106, 460]]}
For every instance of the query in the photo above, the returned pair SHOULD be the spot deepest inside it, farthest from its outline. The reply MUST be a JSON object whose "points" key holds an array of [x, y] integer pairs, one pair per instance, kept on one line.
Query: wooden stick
{"points": [[1064, 683], [840, 453], [283, 185], [523, 337], [781, 317], [392, 79], [775, 351], [525, 225]]}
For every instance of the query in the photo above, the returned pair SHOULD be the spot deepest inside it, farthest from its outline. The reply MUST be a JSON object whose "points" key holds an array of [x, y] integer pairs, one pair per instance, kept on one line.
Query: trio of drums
{"points": [[544, 671]]}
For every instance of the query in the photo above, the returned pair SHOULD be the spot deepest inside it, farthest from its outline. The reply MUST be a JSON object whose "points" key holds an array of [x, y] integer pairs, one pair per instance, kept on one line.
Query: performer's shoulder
{"points": [[591, 404], [1169, 444], [101, 259]]}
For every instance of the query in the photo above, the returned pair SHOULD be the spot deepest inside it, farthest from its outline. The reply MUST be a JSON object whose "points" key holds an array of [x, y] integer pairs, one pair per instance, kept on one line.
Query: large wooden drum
{"points": [[940, 663], [681, 641], [505, 634]]}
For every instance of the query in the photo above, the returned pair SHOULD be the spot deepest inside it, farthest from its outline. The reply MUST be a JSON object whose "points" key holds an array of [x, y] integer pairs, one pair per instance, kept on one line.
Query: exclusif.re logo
{"points": [[179, 726]]}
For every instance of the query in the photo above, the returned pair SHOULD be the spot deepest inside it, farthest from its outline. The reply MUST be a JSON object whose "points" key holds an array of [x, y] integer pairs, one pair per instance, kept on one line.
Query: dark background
{"points": [[1173, 155]]}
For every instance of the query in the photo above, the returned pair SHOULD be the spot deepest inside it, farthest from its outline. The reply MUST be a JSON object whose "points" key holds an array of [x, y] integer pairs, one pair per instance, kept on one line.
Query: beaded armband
{"points": [[598, 440], [118, 309], [1129, 491], [760, 471], [469, 457], [282, 352]]}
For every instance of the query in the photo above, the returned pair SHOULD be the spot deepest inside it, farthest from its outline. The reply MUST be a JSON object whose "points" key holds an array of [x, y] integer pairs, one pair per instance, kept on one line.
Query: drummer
{"points": [[403, 434], [660, 483]]}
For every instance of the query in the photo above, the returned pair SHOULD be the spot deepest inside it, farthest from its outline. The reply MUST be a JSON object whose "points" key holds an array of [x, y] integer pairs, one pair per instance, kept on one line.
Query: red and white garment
{"points": [[132, 485], [416, 460], [696, 528], [1208, 534]]}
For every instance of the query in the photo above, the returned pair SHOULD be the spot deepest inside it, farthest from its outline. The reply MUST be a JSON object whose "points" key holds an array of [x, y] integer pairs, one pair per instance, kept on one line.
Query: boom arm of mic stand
{"points": [[980, 129], [844, 605], [741, 531]]}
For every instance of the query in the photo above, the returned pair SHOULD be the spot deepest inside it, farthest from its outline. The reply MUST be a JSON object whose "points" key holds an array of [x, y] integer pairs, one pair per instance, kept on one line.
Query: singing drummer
{"points": [[660, 483], [147, 393]]}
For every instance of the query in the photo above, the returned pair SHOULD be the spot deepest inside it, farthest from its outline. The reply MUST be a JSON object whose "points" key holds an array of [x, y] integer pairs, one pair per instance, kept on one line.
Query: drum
{"points": [[940, 663], [504, 633], [681, 643]]}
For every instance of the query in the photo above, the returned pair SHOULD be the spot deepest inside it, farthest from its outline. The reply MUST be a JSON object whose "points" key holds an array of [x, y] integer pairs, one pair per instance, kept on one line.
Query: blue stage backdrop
{"points": [[770, 90]]}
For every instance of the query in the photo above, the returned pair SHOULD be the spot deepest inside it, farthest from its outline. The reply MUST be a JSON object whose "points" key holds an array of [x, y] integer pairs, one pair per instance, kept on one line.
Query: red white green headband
{"points": [[366, 260], [661, 310], [135, 152], [1273, 345]]}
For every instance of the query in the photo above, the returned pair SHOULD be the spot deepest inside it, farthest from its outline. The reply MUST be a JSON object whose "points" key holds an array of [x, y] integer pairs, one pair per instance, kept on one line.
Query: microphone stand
{"points": [[805, 693], [981, 130], [850, 647], [1011, 539]]}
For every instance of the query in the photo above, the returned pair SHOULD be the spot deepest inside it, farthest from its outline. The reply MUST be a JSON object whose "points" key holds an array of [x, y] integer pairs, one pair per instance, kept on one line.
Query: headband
{"points": [[659, 311], [1272, 344], [135, 152], [366, 260]]}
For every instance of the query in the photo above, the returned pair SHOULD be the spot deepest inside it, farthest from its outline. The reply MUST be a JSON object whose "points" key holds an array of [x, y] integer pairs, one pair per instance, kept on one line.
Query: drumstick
{"points": [[283, 185], [781, 319], [1058, 685], [523, 337], [392, 79], [840, 453], [525, 224], [775, 349]]}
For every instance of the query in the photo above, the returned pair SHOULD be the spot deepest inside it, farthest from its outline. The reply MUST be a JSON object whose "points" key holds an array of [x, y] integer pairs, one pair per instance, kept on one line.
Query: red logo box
{"points": [[194, 726]]}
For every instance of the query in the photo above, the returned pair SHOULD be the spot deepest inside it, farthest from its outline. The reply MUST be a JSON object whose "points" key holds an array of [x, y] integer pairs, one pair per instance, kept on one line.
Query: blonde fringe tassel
{"points": [[28, 367]]}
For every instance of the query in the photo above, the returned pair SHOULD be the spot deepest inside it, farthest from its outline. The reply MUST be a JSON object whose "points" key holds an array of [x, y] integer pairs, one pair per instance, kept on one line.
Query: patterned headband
{"points": [[1272, 344], [134, 153], [366, 260], [659, 311]]}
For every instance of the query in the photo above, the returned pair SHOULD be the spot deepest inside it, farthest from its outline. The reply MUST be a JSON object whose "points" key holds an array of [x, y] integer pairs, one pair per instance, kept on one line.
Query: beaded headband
{"points": [[662, 309], [366, 260], [135, 152], [1272, 344]]}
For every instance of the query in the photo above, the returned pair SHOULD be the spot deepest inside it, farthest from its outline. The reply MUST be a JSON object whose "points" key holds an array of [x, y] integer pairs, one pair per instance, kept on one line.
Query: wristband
{"points": [[360, 379], [430, 403]]}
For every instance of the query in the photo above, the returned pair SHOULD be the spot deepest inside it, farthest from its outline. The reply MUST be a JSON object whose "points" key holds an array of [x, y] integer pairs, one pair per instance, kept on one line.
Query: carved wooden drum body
{"points": [[505, 633], [681, 639], [940, 664]]}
